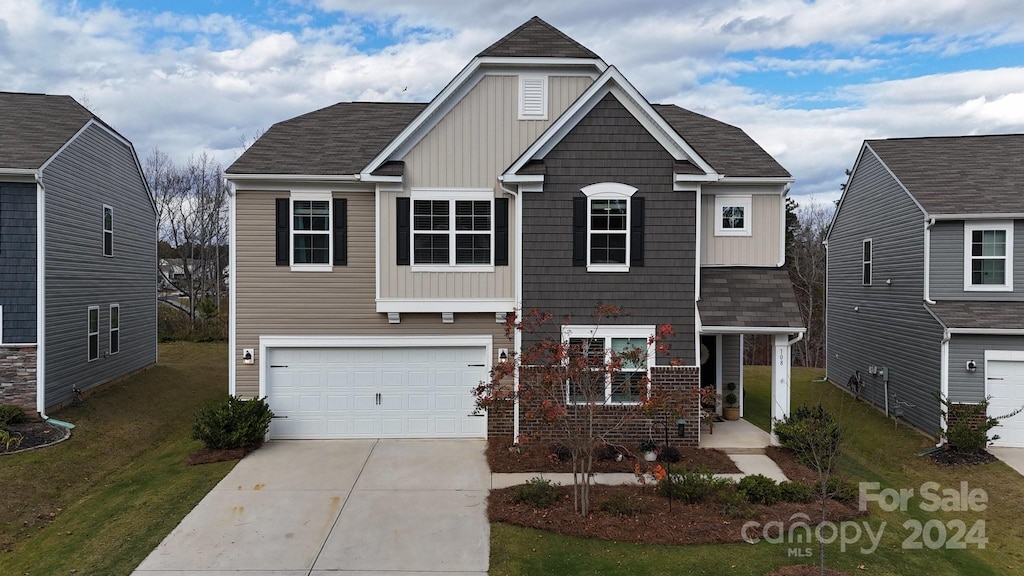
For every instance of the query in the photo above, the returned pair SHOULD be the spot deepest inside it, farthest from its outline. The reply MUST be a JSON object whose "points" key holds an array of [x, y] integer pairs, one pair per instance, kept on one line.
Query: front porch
{"points": [[735, 437]]}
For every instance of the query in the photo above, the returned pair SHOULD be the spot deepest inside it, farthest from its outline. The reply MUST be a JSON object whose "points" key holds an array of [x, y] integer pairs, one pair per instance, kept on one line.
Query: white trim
{"points": [[680, 179], [1000, 356], [980, 216], [988, 331], [696, 256], [40, 297], [608, 333], [451, 196], [723, 201], [708, 330], [542, 83], [103, 225], [425, 305], [719, 353], [232, 288], [29, 174], [870, 262], [19, 345], [1004, 226], [1, 324], [89, 334], [267, 342], [111, 329], [943, 376], [927, 260], [453, 267], [742, 405], [521, 179], [609, 191], [756, 179], [782, 224], [294, 177], [311, 196]]}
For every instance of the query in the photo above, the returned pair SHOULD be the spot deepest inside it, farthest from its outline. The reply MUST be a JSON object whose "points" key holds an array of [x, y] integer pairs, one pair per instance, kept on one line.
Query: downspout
{"points": [[517, 342], [799, 337], [928, 223]]}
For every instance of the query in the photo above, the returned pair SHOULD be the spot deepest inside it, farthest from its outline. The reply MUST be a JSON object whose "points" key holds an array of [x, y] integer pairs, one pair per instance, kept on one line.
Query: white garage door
{"points": [[1005, 381], [375, 392]]}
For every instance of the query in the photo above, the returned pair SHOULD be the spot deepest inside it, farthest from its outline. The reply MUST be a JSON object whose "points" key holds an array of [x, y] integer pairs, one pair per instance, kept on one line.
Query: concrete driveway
{"points": [[374, 507], [1013, 457]]}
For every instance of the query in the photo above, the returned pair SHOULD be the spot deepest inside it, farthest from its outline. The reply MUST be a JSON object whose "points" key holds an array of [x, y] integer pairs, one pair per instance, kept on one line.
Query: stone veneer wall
{"points": [[683, 380], [18, 376]]}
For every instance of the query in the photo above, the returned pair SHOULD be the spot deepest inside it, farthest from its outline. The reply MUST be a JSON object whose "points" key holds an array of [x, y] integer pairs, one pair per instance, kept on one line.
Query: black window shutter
{"points": [[402, 231], [341, 232], [579, 231], [501, 232], [282, 229], [636, 233]]}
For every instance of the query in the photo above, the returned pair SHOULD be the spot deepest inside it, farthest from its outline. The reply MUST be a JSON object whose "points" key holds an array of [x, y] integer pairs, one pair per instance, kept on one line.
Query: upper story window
{"points": [[732, 215], [533, 97], [311, 231], [108, 231], [988, 256], [865, 277], [94, 333], [453, 228], [608, 226], [626, 347]]}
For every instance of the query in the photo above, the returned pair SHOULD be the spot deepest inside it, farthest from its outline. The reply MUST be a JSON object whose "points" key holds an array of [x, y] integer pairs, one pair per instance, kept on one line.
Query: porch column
{"points": [[780, 380]]}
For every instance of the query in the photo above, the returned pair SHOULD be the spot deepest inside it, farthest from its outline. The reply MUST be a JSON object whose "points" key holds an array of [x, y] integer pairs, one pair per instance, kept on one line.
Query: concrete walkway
{"points": [[1013, 457], [359, 507]]}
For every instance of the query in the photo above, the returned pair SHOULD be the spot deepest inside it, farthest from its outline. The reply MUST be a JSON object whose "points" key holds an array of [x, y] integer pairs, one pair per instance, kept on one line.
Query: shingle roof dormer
{"points": [[537, 39]]}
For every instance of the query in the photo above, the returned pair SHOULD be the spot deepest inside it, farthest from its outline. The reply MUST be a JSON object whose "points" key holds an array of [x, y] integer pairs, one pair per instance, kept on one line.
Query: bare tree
{"points": [[807, 270]]}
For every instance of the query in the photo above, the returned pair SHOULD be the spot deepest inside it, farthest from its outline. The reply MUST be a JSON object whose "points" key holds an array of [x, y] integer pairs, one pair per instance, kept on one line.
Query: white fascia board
{"points": [[417, 305], [41, 298], [19, 174], [304, 185], [382, 179], [232, 288], [757, 180], [751, 330], [521, 179], [372, 341], [988, 331], [985, 216], [633, 101], [698, 177], [293, 177]]}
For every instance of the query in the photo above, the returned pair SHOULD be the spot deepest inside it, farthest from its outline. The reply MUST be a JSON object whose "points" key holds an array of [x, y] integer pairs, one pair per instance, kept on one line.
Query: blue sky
{"points": [[809, 80]]}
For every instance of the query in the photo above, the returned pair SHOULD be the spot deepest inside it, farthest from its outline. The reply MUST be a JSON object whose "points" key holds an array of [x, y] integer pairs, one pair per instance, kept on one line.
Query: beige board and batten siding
{"points": [[761, 248], [272, 300], [474, 143]]}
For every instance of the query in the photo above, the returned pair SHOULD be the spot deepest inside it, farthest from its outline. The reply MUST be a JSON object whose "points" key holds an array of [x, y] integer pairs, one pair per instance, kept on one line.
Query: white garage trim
{"points": [[1009, 355], [1011, 432]]}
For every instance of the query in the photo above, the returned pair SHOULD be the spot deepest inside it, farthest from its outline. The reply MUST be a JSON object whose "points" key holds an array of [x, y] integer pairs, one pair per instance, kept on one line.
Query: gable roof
{"points": [[340, 139], [958, 174], [728, 149], [35, 126], [536, 39]]}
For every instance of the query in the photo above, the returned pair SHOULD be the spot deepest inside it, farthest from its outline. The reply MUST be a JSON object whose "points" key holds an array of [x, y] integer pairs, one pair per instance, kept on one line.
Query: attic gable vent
{"points": [[533, 98]]}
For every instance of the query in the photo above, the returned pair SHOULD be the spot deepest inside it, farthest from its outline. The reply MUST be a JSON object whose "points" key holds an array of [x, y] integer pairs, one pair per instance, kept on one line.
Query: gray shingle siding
{"points": [[97, 169], [947, 264], [609, 145], [18, 262], [965, 386], [892, 329]]}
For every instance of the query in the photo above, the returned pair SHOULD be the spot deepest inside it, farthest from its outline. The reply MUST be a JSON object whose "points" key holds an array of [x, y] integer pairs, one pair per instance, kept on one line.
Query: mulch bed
{"points": [[209, 455], [805, 570], [503, 458], [957, 458], [791, 466], [686, 524], [34, 435]]}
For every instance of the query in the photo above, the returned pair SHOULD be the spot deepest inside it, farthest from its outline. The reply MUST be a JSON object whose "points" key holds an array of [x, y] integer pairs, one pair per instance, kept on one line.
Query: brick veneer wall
{"points": [[18, 376], [975, 421], [682, 380]]}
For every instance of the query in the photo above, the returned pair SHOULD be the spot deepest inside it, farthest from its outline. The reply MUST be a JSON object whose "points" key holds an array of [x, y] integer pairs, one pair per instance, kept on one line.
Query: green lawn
{"points": [[875, 451], [120, 483]]}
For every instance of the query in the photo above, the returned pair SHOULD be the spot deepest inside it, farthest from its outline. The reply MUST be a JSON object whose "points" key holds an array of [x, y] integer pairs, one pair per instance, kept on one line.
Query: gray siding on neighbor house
{"points": [[18, 262], [891, 327], [609, 145], [965, 386], [947, 264], [97, 169]]}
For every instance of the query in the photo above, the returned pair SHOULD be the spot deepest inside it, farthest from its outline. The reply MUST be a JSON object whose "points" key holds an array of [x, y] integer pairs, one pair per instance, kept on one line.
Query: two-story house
{"points": [[77, 254], [925, 297], [377, 247]]}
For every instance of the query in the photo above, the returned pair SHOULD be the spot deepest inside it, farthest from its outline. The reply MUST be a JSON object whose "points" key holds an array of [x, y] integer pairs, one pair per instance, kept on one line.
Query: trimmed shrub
{"points": [[840, 490], [232, 424], [669, 454], [537, 492], [11, 414], [812, 433], [622, 505], [735, 505], [968, 425], [759, 489], [796, 492], [694, 486]]}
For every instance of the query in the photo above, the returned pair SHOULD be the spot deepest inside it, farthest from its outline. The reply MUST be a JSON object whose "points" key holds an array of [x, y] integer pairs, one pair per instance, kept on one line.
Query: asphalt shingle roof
{"points": [[339, 139], [959, 174], [537, 39], [960, 314], [725, 147], [35, 126], [747, 298]]}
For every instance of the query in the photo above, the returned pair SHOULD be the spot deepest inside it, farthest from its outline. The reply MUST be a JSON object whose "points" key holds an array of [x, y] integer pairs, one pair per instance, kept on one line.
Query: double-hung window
{"points": [[608, 226], [115, 329], [865, 273], [453, 231], [94, 333], [732, 215], [108, 231], [617, 361], [311, 232], [988, 256]]}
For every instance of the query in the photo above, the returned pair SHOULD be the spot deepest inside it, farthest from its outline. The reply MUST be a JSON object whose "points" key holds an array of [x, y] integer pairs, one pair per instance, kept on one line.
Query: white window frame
{"points": [[533, 78], [89, 334], [450, 195], [1, 324], [607, 333], [723, 201], [869, 262], [113, 329], [103, 224], [969, 229], [609, 191], [311, 197]]}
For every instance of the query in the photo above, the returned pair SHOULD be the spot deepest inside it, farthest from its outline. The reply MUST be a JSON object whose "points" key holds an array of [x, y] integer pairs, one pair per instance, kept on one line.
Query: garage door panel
{"points": [[1005, 381]]}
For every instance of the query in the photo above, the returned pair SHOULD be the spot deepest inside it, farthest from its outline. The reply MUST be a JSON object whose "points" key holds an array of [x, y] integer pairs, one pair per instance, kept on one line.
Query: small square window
{"points": [[732, 215]]}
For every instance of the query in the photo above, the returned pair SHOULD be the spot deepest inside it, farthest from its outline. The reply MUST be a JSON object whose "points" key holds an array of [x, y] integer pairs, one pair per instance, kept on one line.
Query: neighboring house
{"points": [[926, 278], [77, 253], [377, 247]]}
